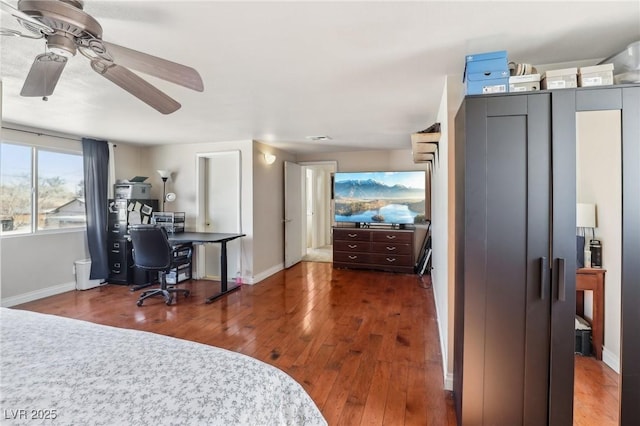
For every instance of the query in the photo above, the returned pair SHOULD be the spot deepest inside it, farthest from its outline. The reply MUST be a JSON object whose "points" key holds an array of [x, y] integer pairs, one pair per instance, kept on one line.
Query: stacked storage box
{"points": [[626, 64], [524, 83], [565, 78], [598, 75], [486, 73]]}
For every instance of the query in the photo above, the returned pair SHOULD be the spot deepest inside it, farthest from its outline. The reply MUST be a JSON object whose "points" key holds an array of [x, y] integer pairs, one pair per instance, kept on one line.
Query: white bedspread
{"points": [[63, 371]]}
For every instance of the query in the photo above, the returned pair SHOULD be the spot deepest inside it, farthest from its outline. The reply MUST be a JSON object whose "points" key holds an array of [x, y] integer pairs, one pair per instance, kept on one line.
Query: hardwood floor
{"points": [[595, 393], [363, 344]]}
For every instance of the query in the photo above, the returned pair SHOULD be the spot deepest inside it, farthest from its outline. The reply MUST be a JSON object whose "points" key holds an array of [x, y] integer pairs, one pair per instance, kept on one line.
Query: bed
{"points": [[64, 371]]}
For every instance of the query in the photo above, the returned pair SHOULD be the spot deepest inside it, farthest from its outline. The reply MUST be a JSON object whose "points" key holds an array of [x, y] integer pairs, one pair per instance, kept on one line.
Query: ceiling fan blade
{"points": [[43, 75], [27, 21], [135, 85], [157, 67]]}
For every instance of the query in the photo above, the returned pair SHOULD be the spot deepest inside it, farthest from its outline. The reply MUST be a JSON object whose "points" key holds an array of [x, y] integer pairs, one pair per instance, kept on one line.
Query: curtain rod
{"points": [[41, 133], [46, 134]]}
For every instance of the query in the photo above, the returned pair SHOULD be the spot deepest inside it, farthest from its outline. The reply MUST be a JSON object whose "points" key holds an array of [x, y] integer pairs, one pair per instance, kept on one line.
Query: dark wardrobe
{"points": [[515, 260]]}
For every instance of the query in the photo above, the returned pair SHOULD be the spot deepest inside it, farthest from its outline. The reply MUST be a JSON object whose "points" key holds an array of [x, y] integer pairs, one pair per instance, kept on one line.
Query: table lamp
{"points": [[585, 219]]}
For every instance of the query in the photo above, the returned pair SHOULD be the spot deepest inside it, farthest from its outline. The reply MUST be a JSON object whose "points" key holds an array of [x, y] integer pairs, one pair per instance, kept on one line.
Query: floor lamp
{"points": [[164, 175]]}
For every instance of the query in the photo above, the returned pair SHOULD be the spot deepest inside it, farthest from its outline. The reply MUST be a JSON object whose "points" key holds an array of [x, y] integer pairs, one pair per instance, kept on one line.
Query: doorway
{"points": [[317, 204], [219, 210]]}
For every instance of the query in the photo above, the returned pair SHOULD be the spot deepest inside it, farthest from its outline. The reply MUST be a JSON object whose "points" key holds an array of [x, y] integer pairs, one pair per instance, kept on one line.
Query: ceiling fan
{"points": [[67, 29]]}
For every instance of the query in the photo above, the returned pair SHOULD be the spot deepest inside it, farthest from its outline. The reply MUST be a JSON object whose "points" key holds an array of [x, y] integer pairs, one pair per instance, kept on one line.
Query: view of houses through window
{"points": [[40, 189]]}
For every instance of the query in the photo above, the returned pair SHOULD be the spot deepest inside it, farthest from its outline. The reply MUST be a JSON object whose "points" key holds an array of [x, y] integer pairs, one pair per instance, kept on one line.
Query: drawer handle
{"points": [[116, 265], [353, 257], [116, 245], [352, 246], [352, 235], [115, 251], [391, 248], [391, 259], [391, 237]]}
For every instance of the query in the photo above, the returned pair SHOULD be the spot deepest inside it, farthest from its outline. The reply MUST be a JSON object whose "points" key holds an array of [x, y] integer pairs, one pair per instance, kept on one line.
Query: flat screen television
{"points": [[391, 198]]}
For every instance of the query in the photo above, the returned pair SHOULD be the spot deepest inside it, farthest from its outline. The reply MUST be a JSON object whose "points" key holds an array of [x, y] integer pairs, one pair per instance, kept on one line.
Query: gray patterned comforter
{"points": [[63, 371]]}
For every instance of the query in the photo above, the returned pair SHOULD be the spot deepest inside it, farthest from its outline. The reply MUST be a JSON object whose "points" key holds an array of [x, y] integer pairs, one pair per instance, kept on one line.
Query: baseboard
{"points": [[37, 294], [447, 376], [611, 359], [266, 274]]}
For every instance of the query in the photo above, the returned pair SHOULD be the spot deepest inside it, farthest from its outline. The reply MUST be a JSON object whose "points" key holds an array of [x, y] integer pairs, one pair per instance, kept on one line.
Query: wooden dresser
{"points": [[380, 249]]}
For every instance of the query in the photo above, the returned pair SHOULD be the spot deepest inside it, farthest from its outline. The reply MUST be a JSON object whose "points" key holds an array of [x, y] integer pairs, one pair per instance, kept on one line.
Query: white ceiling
{"points": [[365, 73]]}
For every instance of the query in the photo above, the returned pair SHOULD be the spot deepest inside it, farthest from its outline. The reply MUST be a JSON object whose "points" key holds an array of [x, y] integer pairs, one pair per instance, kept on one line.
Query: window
{"points": [[40, 189]]}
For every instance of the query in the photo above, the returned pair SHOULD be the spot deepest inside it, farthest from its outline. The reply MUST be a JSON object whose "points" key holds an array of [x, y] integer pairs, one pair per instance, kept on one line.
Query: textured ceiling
{"points": [[367, 74]]}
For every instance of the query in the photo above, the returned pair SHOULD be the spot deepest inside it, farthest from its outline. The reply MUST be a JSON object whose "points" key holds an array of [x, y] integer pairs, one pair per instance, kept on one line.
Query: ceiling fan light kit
{"points": [[67, 28]]}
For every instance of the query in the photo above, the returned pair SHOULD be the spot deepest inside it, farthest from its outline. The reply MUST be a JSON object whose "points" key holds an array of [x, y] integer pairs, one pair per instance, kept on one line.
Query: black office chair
{"points": [[152, 251]]}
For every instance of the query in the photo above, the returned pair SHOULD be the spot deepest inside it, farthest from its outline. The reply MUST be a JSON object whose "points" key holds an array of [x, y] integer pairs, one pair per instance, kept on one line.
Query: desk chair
{"points": [[152, 251]]}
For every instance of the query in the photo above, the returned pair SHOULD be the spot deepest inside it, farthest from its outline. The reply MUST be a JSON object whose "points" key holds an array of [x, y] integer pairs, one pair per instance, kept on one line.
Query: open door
{"points": [[293, 232]]}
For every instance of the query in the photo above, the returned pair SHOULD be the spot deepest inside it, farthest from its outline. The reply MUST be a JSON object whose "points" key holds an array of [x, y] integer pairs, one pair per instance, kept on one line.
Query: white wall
{"points": [[443, 222], [181, 160], [357, 161], [599, 182], [268, 197]]}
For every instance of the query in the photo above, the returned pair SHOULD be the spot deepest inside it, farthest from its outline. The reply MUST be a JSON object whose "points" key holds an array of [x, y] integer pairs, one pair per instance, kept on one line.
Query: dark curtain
{"points": [[96, 177]]}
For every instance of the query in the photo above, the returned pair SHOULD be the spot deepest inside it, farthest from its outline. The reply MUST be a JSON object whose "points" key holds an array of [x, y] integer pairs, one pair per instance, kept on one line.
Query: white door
{"points": [[293, 232]]}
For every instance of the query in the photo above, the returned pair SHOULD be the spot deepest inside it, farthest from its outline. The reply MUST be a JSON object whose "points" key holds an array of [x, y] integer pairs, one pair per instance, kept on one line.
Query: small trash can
{"points": [[83, 270]]}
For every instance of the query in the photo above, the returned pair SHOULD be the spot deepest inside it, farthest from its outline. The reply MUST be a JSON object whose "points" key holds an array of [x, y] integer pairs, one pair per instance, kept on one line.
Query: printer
{"points": [[134, 188]]}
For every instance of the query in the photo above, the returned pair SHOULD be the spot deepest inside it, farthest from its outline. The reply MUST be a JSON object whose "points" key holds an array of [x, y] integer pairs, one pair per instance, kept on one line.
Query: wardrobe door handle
{"points": [[562, 296], [543, 277]]}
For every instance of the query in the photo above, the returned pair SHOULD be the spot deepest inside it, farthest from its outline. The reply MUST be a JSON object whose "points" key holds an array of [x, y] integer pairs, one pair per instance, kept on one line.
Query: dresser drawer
{"points": [[352, 246], [392, 236], [391, 260], [391, 248], [345, 257], [117, 246], [117, 229], [351, 235]]}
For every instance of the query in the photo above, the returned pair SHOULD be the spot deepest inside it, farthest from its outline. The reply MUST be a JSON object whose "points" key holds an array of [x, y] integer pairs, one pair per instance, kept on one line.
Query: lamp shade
{"points": [[585, 215], [164, 174]]}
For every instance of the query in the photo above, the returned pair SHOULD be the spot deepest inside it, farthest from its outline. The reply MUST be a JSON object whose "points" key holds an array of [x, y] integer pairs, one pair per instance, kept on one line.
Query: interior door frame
{"points": [[331, 166], [201, 204]]}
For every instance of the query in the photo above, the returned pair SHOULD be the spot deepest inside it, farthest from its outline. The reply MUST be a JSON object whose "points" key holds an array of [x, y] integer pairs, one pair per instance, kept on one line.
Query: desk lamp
{"points": [[164, 175]]}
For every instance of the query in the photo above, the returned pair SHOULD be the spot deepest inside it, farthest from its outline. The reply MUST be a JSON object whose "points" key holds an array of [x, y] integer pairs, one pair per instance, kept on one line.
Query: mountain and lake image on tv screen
{"points": [[380, 197]]}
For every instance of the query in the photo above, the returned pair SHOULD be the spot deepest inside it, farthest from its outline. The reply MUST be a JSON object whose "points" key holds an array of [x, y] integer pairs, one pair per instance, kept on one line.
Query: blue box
{"points": [[486, 73]]}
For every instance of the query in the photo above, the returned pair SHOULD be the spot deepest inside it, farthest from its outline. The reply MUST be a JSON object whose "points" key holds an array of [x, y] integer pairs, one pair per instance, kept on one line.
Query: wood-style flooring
{"points": [[595, 393], [363, 344]]}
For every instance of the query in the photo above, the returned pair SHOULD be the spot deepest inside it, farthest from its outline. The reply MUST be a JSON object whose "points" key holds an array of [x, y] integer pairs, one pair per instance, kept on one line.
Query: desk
{"points": [[592, 279], [208, 238]]}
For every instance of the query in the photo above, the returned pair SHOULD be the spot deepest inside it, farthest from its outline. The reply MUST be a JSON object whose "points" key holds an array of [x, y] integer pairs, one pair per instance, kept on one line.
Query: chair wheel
{"points": [[139, 303], [169, 301], [187, 293]]}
